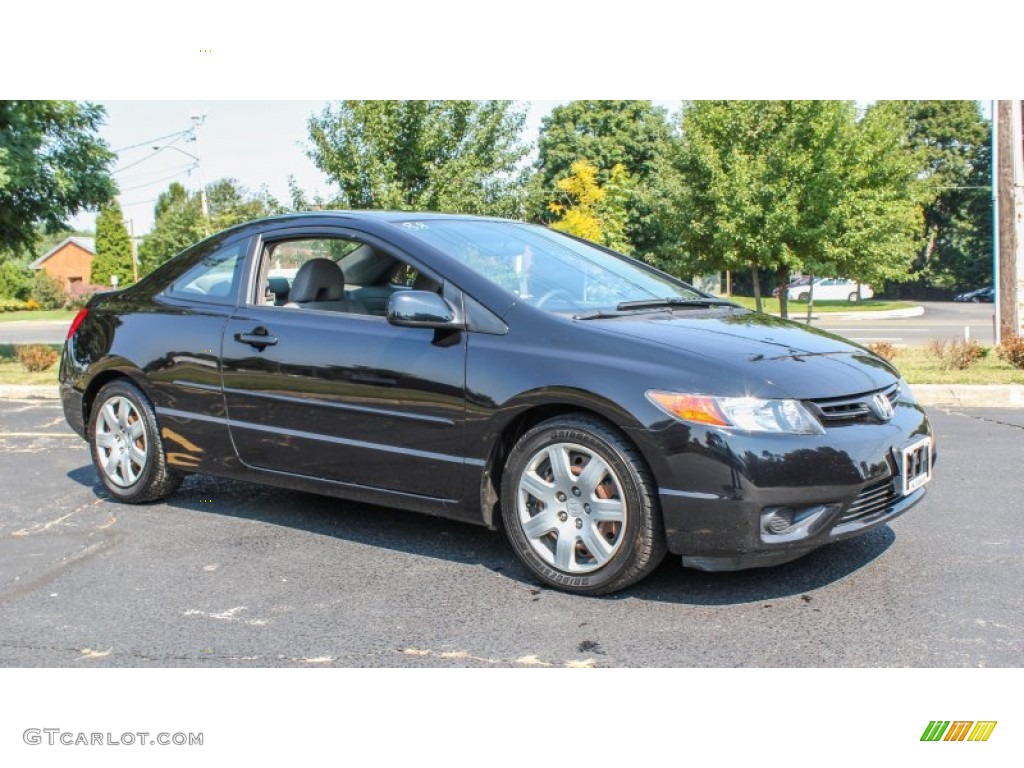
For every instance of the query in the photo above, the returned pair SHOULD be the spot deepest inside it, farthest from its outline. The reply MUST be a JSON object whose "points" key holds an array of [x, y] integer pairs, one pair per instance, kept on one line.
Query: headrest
{"points": [[318, 280]]}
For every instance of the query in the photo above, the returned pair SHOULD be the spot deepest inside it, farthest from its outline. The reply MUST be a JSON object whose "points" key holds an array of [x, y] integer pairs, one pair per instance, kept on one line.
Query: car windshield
{"points": [[550, 270]]}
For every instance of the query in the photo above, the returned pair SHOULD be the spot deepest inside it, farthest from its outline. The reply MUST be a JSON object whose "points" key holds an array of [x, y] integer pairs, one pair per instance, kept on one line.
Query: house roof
{"points": [[87, 243]]}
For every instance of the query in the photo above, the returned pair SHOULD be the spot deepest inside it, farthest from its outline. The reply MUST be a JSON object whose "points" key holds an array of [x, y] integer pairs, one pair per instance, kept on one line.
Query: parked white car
{"points": [[830, 289]]}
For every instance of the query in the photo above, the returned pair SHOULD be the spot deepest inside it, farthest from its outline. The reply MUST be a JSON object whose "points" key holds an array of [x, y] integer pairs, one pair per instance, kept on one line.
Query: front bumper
{"points": [[717, 488]]}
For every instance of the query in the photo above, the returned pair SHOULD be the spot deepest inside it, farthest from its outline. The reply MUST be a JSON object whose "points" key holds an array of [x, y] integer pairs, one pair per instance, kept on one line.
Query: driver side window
{"points": [[335, 274]]}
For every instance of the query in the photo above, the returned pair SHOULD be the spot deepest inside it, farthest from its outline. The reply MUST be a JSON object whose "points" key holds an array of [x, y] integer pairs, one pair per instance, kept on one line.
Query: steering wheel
{"points": [[553, 293]]}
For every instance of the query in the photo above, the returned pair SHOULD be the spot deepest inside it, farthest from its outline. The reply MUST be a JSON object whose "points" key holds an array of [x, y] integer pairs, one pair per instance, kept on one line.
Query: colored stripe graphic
{"points": [[982, 730], [960, 730]]}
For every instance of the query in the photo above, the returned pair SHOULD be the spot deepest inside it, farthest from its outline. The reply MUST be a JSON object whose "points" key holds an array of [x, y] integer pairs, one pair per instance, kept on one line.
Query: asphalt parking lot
{"points": [[233, 574]]}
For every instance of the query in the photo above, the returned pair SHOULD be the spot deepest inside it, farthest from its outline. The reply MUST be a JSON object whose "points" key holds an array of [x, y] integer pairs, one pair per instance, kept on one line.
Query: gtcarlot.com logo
{"points": [[56, 736], [958, 730]]}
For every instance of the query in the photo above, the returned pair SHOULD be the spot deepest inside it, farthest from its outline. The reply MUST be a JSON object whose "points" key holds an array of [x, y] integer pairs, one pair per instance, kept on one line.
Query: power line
{"points": [[147, 157], [180, 171], [150, 142]]}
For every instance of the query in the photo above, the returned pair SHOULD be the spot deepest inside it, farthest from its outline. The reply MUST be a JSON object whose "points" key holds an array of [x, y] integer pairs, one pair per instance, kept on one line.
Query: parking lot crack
{"points": [[986, 419]]}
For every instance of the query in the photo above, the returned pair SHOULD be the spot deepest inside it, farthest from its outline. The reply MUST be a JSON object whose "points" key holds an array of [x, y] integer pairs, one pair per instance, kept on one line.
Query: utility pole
{"points": [[197, 123], [1008, 133], [135, 253]]}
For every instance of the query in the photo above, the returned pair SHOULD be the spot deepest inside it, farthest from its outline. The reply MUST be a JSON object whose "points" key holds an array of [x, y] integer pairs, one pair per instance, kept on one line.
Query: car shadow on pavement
{"points": [[454, 541]]}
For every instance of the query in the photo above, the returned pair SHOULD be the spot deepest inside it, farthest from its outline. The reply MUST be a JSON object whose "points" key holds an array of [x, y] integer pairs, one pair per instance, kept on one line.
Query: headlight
{"points": [[751, 414]]}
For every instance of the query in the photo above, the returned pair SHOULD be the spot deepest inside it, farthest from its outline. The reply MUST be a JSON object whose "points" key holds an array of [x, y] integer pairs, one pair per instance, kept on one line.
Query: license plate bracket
{"points": [[916, 465]]}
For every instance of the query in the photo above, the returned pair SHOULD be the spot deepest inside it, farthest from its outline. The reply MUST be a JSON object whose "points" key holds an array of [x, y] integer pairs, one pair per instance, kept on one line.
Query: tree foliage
{"points": [[632, 134], [113, 248], [15, 280], [952, 144], [427, 155], [52, 164], [591, 211], [46, 291], [796, 185], [178, 218]]}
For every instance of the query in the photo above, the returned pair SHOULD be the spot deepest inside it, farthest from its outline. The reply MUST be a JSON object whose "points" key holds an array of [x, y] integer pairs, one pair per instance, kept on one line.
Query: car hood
{"points": [[766, 355]]}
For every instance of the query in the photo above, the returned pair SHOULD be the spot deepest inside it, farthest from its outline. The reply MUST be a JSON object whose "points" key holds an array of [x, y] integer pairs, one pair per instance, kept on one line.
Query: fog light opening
{"points": [[785, 524], [778, 520]]}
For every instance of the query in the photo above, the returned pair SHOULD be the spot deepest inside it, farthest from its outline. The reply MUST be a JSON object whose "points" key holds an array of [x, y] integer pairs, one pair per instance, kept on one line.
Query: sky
{"points": [[259, 143]]}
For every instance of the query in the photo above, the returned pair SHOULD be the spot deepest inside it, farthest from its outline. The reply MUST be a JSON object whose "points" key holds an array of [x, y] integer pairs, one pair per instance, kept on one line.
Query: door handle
{"points": [[258, 337]]}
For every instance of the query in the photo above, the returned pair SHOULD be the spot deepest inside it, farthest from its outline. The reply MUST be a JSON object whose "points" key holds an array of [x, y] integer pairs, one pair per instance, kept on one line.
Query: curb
{"points": [[29, 392], [964, 395], [970, 395], [888, 314]]}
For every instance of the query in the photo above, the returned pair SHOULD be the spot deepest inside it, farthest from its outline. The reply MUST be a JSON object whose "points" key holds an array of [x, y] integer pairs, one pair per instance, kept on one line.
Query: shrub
{"points": [[31, 304], [47, 291], [1012, 351], [883, 349], [78, 300], [15, 280], [956, 354], [36, 357], [12, 305]]}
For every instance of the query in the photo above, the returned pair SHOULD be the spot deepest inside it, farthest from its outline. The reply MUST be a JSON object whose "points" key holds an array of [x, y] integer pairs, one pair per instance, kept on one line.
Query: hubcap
{"points": [[121, 441], [571, 508]]}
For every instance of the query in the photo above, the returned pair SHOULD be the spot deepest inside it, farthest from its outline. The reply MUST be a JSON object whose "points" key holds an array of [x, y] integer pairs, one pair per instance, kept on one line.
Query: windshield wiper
{"points": [[674, 301], [600, 314]]}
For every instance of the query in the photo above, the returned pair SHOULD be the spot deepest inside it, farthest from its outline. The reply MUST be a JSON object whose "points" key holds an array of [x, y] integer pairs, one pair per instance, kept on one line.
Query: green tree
{"points": [[15, 280], [633, 134], [52, 164], [428, 155], [795, 185], [178, 218], [46, 291], [952, 144], [113, 248]]}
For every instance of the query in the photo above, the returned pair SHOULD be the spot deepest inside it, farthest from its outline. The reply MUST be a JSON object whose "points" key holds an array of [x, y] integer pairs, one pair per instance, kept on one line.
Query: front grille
{"points": [[852, 410], [875, 498]]}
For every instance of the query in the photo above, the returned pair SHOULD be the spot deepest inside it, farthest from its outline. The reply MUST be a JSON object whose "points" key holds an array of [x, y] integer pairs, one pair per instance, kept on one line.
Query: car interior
{"points": [[337, 276]]}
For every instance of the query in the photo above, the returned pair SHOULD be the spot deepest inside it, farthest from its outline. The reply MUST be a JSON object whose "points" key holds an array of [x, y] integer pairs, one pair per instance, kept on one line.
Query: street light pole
{"points": [[197, 123]]}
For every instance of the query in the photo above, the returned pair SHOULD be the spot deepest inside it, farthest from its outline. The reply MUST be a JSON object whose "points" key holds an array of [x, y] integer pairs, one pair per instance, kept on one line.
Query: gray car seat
{"points": [[320, 284]]}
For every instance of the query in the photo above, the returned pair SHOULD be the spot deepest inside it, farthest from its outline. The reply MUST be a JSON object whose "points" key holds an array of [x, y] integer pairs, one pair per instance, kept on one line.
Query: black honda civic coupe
{"points": [[599, 411]]}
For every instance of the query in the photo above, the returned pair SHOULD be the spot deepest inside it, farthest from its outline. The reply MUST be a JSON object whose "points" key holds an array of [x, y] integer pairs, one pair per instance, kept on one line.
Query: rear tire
{"points": [[852, 298], [805, 296], [580, 507], [126, 448]]}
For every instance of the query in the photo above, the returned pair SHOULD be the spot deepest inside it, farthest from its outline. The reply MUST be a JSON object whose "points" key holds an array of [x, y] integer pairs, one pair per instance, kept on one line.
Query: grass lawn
{"points": [[12, 372], [799, 308], [921, 367], [39, 314]]}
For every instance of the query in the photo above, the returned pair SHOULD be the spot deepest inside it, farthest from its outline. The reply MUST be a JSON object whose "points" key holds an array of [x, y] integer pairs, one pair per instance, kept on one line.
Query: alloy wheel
{"points": [[121, 441]]}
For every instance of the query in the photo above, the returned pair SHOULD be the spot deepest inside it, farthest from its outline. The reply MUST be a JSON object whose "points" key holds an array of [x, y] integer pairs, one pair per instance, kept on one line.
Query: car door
{"points": [[325, 389]]}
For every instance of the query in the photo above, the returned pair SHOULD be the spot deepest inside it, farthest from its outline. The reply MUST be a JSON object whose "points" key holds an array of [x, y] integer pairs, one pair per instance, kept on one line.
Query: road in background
{"points": [[227, 573], [941, 320], [34, 331]]}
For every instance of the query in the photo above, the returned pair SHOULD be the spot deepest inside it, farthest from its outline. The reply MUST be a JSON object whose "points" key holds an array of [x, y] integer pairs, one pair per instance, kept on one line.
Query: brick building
{"points": [[70, 263]]}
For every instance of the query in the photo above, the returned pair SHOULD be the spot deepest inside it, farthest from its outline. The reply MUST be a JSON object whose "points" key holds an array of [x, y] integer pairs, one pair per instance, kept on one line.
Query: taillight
{"points": [[77, 321]]}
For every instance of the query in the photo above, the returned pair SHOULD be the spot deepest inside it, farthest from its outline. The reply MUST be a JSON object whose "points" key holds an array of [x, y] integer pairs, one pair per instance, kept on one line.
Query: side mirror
{"points": [[421, 309]]}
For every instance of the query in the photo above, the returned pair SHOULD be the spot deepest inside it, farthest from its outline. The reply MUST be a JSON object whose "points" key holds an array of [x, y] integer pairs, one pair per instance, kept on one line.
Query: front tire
{"points": [[580, 507], [126, 447], [852, 298]]}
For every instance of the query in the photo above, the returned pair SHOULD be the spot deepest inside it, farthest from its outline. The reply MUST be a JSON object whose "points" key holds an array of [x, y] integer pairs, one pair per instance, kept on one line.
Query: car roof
{"points": [[387, 216]]}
